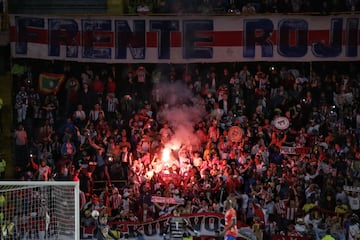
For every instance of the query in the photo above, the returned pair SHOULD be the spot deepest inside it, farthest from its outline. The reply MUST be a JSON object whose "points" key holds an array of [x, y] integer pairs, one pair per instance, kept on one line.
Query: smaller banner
{"points": [[295, 150], [50, 82], [281, 123], [167, 200]]}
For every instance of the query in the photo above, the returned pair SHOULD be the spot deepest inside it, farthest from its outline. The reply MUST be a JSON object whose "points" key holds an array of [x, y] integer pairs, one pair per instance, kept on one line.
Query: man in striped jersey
{"points": [[112, 104], [280, 214], [115, 201], [178, 226]]}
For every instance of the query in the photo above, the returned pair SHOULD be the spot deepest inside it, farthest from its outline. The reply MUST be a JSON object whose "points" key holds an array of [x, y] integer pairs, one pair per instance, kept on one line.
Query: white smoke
{"points": [[182, 111]]}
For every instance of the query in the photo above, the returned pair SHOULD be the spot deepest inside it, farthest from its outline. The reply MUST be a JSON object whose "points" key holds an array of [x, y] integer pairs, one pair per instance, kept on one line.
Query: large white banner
{"points": [[186, 39], [206, 223]]}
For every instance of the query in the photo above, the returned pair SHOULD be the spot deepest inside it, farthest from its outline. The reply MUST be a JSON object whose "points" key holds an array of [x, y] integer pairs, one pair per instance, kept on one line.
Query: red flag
{"points": [[258, 212]]}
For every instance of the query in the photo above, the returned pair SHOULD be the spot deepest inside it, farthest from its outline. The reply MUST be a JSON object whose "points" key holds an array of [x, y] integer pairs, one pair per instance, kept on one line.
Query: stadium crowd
{"points": [[199, 134], [246, 7]]}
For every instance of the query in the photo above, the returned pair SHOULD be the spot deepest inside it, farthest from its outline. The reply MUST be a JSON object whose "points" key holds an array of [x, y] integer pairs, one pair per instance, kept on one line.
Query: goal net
{"points": [[39, 210]]}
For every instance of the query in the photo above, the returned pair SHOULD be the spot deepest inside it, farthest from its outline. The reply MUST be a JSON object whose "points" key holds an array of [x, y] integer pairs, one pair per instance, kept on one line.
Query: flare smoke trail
{"points": [[182, 111]]}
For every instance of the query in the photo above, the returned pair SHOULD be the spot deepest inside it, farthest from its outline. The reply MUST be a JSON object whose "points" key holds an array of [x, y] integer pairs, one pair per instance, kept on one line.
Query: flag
{"points": [[50, 82], [258, 212], [18, 69]]}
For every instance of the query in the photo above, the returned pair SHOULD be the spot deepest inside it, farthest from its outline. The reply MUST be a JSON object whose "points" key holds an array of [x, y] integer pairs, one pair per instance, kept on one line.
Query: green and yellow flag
{"points": [[50, 82]]}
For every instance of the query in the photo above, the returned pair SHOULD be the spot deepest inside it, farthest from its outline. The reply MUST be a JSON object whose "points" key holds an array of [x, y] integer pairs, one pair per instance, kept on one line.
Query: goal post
{"points": [[39, 210]]}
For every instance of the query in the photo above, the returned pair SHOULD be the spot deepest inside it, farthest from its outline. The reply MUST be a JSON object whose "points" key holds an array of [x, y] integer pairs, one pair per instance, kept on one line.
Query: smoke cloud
{"points": [[182, 110]]}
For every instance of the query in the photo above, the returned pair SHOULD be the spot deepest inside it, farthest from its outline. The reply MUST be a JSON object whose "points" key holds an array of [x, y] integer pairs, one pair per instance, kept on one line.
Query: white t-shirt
{"points": [[245, 200], [44, 173], [354, 231], [354, 203], [270, 207]]}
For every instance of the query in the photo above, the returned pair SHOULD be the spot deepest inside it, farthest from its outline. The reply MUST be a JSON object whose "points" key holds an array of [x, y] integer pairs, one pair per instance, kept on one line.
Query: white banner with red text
{"points": [[186, 39], [295, 150]]}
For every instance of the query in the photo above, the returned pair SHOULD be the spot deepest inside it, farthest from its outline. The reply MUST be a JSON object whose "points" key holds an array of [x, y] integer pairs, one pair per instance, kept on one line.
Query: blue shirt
{"points": [[100, 160]]}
